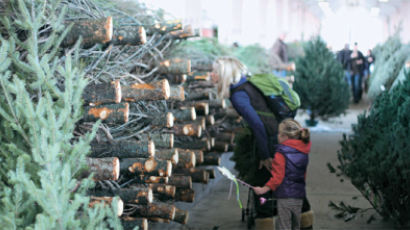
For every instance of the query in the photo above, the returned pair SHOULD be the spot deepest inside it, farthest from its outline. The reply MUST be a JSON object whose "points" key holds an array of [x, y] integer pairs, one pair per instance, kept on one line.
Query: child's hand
{"points": [[261, 190]]}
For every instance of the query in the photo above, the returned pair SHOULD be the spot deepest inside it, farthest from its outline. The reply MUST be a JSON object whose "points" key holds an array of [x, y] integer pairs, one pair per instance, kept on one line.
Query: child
{"points": [[288, 173]]}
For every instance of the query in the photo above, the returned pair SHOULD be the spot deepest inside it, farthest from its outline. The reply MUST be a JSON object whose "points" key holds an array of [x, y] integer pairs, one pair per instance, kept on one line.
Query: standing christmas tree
{"points": [[41, 92], [319, 82]]}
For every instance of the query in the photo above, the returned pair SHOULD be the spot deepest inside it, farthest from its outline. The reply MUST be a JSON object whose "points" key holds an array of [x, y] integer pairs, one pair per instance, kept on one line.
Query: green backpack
{"points": [[280, 97]]}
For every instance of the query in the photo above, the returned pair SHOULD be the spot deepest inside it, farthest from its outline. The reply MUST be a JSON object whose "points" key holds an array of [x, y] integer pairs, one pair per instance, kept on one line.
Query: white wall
{"points": [[400, 16]]}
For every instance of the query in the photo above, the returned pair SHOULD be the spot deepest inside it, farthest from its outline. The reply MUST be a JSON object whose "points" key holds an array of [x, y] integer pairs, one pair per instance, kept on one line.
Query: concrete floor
{"points": [[213, 210]]}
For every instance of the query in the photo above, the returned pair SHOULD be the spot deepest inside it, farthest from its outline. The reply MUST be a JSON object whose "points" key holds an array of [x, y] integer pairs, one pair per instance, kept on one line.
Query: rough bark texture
{"points": [[104, 168], [202, 65], [146, 166], [187, 32], [194, 144], [176, 78], [185, 195], [220, 147], [91, 31], [163, 120], [129, 223], [136, 195], [180, 181], [212, 159], [160, 210], [155, 179], [161, 140], [110, 113], [175, 66], [187, 159], [96, 94], [143, 91], [181, 216], [107, 201], [123, 149], [177, 93], [198, 94], [199, 76], [168, 154], [129, 35], [227, 137], [166, 27], [163, 191], [184, 114], [198, 175], [187, 130]]}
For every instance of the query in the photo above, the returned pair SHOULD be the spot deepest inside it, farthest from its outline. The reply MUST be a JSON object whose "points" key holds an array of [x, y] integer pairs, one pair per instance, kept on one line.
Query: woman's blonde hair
{"points": [[293, 130], [229, 70]]}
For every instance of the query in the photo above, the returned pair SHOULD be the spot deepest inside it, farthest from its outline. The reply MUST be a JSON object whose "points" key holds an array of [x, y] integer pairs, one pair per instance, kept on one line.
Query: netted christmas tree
{"points": [[375, 157], [390, 59], [41, 88], [319, 82]]}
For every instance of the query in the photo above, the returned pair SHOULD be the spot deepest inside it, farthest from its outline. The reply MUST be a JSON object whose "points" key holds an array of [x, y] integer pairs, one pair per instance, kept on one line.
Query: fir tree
{"points": [[319, 81], [376, 156], [41, 90]]}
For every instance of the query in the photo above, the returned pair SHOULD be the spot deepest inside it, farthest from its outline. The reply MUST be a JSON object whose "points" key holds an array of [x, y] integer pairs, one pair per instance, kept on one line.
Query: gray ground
{"points": [[213, 210]]}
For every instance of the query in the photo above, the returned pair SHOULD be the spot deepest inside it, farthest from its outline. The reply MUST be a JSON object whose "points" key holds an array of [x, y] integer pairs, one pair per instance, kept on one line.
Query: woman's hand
{"points": [[261, 190]]}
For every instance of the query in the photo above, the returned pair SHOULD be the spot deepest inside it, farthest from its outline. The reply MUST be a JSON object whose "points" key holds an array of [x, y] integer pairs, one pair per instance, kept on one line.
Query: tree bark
{"points": [[217, 103], [229, 113], [227, 137], [91, 31], [168, 154], [110, 113], [220, 147], [186, 159], [176, 78], [146, 166], [166, 27], [159, 210], [142, 91], [187, 130], [129, 223], [184, 114], [202, 65], [185, 195], [199, 154], [202, 144], [180, 181], [163, 120], [187, 32], [199, 76], [181, 216], [210, 120], [201, 85], [161, 140], [155, 180], [123, 149], [212, 159], [199, 95], [135, 195], [163, 191], [177, 93], [129, 35], [107, 201], [198, 175], [96, 94], [175, 66], [104, 168]]}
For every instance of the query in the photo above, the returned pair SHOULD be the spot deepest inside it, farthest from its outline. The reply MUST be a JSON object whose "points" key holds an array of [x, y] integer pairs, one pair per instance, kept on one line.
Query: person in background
{"points": [[343, 57], [288, 173], [369, 62], [356, 65], [280, 49]]}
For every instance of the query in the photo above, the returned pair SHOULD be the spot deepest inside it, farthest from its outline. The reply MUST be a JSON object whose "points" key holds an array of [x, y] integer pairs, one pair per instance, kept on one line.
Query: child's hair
{"points": [[294, 130], [229, 70]]}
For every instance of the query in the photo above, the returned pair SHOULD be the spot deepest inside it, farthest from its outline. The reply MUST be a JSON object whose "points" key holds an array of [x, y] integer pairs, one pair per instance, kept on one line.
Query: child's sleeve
{"points": [[278, 171]]}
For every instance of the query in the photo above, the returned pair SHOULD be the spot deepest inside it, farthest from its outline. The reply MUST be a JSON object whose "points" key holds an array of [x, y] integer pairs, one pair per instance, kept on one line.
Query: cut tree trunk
{"points": [[175, 66], [220, 147], [212, 159], [176, 78], [146, 166], [104, 168], [198, 76], [123, 149], [228, 137], [161, 140], [200, 120], [165, 120], [135, 195], [186, 159], [143, 91], [109, 113], [129, 223], [180, 181], [187, 130], [181, 216], [166, 27], [203, 144], [210, 120], [202, 65], [211, 172], [185, 195], [187, 32], [198, 94], [96, 94], [163, 191], [129, 35], [107, 201], [198, 175], [168, 154], [177, 93], [91, 31], [159, 210], [184, 114], [229, 113], [201, 85], [155, 180], [199, 154], [217, 103]]}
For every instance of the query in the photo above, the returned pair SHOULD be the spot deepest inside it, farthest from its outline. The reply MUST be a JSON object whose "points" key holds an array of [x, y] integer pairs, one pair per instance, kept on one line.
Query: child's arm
{"points": [[278, 172], [261, 190]]}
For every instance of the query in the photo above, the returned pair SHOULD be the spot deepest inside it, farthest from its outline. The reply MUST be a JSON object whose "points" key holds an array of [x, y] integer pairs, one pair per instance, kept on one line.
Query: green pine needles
{"points": [[319, 81], [41, 90], [376, 156]]}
